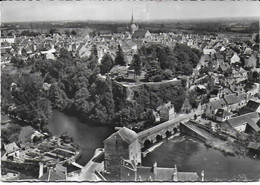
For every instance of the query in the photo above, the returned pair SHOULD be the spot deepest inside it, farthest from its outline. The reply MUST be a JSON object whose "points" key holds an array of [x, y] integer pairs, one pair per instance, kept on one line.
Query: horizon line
{"points": [[137, 20]]}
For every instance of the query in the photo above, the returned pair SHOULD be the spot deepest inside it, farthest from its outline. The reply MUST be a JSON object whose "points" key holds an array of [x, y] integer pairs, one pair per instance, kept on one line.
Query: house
{"points": [[8, 39], [245, 123], [244, 97], [213, 106], [165, 112], [148, 35], [209, 51], [122, 144], [234, 59], [11, 148], [222, 115], [250, 62], [232, 102], [130, 172], [240, 74]]}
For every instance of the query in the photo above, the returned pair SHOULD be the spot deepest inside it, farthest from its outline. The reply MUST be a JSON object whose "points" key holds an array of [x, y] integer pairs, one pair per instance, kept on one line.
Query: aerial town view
{"points": [[135, 91]]}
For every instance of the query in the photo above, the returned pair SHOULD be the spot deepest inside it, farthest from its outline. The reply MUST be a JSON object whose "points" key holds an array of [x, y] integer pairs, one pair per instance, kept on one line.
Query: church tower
{"points": [[133, 26]]}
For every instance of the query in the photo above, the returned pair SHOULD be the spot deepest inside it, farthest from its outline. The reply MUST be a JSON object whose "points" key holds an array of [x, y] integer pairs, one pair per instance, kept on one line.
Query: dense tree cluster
{"points": [[161, 61], [76, 86], [152, 96]]}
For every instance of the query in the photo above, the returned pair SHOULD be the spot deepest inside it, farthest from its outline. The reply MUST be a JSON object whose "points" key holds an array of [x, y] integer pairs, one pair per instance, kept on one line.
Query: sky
{"points": [[121, 10]]}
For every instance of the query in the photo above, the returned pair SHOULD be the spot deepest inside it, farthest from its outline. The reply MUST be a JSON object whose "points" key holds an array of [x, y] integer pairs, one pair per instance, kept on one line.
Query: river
{"points": [[187, 154]]}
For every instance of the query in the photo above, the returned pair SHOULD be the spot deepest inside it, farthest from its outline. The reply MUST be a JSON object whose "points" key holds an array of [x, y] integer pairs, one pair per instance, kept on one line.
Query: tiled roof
{"points": [[126, 134], [243, 119], [254, 145], [231, 99], [217, 104], [11, 147], [252, 105]]}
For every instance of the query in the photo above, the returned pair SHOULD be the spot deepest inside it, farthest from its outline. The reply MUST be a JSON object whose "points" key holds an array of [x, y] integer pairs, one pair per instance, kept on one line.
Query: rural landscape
{"points": [[175, 99]]}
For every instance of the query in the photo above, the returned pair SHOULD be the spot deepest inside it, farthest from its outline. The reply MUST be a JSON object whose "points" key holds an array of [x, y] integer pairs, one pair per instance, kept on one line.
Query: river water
{"points": [[187, 154]]}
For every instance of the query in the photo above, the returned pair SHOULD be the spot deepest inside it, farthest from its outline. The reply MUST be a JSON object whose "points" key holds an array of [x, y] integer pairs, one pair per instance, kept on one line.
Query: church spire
{"points": [[132, 18]]}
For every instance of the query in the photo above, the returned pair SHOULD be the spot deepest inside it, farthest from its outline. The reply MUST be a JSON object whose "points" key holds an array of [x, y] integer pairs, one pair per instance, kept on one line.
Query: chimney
{"points": [[155, 168], [40, 169], [174, 176], [202, 175]]}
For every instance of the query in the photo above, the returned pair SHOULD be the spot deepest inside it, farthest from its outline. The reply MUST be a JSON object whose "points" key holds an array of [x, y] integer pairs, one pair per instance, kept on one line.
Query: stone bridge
{"points": [[157, 133]]}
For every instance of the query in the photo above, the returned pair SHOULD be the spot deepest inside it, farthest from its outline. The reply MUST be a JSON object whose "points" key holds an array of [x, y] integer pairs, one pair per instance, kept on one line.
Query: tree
{"points": [[167, 74], [255, 76], [137, 64], [73, 32], [106, 64], [153, 72], [30, 101], [120, 59], [52, 31], [19, 63]]}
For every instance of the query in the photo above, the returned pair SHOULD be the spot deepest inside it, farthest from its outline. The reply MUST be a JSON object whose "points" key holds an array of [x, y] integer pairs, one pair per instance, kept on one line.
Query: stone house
{"points": [[122, 144]]}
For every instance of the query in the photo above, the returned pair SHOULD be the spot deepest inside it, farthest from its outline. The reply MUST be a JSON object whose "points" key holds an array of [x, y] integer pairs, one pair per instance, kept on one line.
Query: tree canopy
{"points": [[120, 59]]}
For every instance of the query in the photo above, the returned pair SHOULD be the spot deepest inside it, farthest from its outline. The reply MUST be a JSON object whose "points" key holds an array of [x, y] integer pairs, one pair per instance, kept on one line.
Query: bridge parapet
{"points": [[158, 132]]}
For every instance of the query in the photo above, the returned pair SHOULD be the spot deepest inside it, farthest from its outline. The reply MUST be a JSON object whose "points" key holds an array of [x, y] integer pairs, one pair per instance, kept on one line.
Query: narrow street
{"points": [[88, 172]]}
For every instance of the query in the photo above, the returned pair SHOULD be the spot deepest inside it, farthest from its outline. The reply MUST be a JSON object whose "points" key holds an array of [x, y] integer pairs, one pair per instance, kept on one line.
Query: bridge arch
{"points": [[147, 144], [159, 138], [168, 133]]}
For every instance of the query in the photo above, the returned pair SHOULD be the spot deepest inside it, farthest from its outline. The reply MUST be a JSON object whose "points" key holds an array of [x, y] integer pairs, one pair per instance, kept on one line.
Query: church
{"points": [[133, 26]]}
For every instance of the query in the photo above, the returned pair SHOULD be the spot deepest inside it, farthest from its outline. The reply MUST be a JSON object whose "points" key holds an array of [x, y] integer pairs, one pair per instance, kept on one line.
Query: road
{"points": [[180, 118]]}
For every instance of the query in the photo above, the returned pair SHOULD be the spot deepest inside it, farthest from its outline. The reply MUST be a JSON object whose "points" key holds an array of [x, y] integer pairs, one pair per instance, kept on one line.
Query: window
{"points": [[128, 174]]}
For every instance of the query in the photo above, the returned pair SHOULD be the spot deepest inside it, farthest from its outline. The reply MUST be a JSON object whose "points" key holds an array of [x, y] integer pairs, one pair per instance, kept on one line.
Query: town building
{"points": [[122, 144], [164, 112], [245, 123], [213, 106], [130, 172]]}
